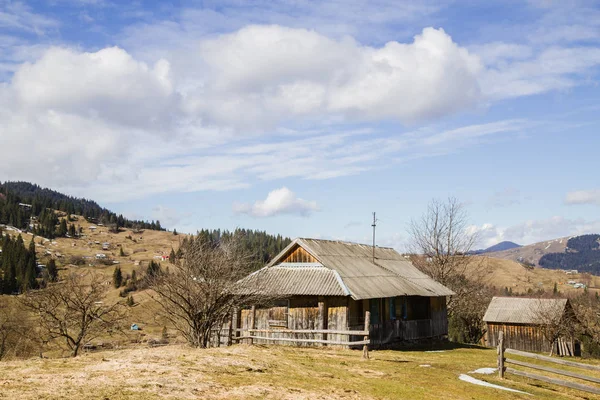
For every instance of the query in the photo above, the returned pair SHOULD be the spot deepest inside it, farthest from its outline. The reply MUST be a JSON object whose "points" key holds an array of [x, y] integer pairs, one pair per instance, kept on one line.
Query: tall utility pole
{"points": [[374, 225]]}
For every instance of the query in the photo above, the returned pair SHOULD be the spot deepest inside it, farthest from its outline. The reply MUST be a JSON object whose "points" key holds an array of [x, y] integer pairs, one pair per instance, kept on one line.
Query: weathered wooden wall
{"points": [[302, 312], [401, 318], [518, 337], [299, 255], [343, 313]]}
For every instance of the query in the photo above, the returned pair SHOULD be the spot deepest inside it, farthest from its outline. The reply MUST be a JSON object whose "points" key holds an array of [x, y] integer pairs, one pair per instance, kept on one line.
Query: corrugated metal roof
{"points": [[518, 310], [295, 280], [391, 275]]}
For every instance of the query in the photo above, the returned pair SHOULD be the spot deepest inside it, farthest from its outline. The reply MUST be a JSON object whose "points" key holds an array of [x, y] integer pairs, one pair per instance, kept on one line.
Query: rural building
{"points": [[523, 321], [330, 285]]}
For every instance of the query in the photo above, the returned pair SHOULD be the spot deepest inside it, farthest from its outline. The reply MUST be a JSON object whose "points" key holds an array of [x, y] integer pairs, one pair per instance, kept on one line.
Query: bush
{"points": [[77, 260]]}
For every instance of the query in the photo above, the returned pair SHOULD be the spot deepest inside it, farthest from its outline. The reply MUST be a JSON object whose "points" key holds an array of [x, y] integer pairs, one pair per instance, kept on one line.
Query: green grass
{"points": [[257, 372]]}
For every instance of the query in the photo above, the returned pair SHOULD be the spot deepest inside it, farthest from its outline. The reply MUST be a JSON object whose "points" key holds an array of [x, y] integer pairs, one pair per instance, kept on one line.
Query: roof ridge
{"points": [[344, 242]]}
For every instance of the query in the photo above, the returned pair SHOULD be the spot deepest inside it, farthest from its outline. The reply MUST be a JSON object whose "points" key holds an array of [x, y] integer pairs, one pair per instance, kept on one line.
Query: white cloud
{"points": [[583, 197], [553, 68], [218, 115], [18, 16], [534, 231], [279, 201], [108, 85], [169, 217], [277, 73]]}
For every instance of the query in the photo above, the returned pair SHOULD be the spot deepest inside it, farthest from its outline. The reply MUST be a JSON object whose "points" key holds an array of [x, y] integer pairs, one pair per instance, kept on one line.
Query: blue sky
{"points": [[301, 118]]}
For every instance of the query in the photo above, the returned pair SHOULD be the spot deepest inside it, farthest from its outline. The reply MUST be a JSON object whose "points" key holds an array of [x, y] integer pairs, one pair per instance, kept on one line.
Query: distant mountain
{"points": [[506, 245], [531, 253], [573, 252], [582, 253]]}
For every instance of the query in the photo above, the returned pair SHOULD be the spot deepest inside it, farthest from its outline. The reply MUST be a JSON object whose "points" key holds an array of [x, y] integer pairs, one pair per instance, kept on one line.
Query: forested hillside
{"points": [[261, 245], [20, 201], [582, 253]]}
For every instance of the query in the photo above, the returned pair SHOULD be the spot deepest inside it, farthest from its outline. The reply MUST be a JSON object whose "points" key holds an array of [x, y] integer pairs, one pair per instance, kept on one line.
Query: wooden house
{"points": [[326, 284], [524, 321]]}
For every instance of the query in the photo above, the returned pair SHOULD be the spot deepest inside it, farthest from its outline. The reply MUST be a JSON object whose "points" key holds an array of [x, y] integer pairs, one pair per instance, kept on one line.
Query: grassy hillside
{"points": [[261, 372], [503, 273], [533, 252]]}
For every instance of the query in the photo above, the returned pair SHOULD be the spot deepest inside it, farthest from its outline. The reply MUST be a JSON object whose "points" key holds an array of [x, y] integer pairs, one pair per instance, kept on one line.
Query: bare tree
{"points": [[16, 330], [73, 310], [441, 243], [7, 328], [554, 321], [442, 237], [587, 310], [201, 289]]}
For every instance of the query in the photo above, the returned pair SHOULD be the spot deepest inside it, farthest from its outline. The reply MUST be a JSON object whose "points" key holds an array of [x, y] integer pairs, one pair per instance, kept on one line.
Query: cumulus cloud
{"points": [[219, 115], [296, 72], [108, 85], [583, 197], [279, 201]]}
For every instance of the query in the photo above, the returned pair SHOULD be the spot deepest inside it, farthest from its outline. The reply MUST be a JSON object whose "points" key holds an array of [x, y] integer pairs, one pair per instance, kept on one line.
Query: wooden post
{"points": [[229, 331], [367, 328], [235, 318], [323, 319], [501, 354], [252, 323]]}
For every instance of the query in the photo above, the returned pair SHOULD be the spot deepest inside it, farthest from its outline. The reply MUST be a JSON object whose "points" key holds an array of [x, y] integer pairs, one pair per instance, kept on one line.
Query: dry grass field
{"points": [[262, 372], [503, 273]]}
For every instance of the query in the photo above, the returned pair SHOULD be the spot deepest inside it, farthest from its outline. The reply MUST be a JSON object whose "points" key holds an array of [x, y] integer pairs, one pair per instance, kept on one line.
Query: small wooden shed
{"points": [[328, 284], [523, 321]]}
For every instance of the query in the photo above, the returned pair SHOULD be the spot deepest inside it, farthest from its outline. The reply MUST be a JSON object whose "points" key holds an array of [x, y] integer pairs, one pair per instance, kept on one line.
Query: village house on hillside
{"points": [[523, 321], [330, 284]]}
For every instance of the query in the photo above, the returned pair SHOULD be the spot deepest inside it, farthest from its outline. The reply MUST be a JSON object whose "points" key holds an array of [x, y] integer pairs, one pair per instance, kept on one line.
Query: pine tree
{"points": [[172, 256], [555, 290], [52, 270], [121, 252], [153, 269], [117, 277], [62, 229], [130, 301], [29, 281], [175, 232], [72, 231]]}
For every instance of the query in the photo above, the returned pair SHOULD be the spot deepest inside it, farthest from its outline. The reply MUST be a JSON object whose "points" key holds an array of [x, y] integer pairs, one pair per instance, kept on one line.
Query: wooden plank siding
{"points": [[299, 255], [425, 318], [518, 336]]}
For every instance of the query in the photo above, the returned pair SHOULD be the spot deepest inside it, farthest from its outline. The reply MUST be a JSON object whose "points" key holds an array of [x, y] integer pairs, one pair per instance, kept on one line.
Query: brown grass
{"points": [[260, 372], [503, 273]]}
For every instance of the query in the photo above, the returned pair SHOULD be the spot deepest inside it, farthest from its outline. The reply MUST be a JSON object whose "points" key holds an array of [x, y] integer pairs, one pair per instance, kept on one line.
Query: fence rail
{"points": [[250, 334], [502, 370]]}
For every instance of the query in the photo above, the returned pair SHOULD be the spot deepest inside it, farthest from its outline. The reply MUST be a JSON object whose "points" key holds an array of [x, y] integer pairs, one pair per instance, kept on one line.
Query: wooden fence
{"points": [[319, 336], [393, 331], [502, 369]]}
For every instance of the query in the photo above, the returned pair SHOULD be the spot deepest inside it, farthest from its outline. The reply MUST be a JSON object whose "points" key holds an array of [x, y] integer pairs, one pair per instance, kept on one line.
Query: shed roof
{"points": [[347, 269], [519, 310]]}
